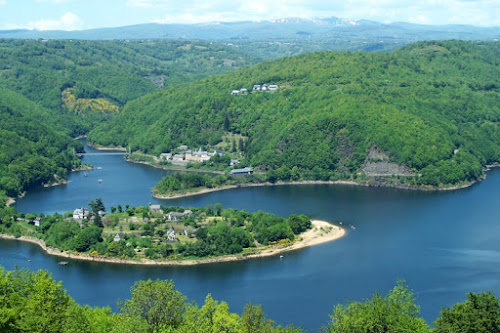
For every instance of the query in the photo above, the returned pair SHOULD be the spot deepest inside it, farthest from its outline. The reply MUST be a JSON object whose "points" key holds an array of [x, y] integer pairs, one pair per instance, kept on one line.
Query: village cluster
{"points": [[81, 214], [171, 217], [186, 155], [256, 87]]}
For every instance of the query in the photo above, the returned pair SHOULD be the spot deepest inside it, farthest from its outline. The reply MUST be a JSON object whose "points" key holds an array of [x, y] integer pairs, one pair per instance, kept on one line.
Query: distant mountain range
{"points": [[281, 29]]}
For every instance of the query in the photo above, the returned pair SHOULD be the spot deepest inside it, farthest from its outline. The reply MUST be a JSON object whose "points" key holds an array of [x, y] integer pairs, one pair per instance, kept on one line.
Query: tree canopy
{"points": [[431, 107]]}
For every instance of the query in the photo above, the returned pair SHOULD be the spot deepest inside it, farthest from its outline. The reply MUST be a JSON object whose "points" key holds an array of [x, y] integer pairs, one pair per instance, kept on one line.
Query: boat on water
{"points": [[99, 168], [99, 180], [85, 174], [63, 263]]}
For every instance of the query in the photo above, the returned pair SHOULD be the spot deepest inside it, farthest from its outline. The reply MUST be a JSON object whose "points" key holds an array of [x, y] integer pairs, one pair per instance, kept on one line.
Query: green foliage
{"points": [[298, 223], [87, 238], [479, 313], [432, 106], [34, 302], [396, 312], [31, 302], [182, 182], [97, 205], [157, 302], [113, 72], [32, 151]]}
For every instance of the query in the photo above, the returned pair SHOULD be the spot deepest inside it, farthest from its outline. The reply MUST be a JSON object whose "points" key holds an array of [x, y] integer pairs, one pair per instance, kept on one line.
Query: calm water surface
{"points": [[443, 243]]}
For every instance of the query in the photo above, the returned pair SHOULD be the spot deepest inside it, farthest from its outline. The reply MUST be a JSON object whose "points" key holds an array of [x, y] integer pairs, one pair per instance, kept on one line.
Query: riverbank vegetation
{"points": [[159, 233], [179, 183], [35, 302], [430, 108]]}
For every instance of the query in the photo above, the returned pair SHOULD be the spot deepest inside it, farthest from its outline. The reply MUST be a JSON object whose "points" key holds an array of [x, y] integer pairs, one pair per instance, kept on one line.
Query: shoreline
{"points": [[310, 182], [321, 232], [165, 167], [106, 148], [230, 187], [10, 201]]}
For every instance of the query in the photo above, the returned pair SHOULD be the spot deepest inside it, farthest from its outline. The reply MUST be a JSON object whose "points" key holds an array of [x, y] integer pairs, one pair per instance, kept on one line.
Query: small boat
{"points": [[63, 263], [281, 256], [85, 174], [99, 168], [353, 227], [100, 181]]}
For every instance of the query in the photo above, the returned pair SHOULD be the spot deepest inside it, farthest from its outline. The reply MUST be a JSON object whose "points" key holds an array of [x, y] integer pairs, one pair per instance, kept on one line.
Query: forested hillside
{"points": [[50, 89], [93, 79], [431, 107], [32, 151]]}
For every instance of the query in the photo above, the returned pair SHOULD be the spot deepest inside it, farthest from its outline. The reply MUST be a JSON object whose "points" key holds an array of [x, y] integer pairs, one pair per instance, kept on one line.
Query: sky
{"points": [[89, 14]]}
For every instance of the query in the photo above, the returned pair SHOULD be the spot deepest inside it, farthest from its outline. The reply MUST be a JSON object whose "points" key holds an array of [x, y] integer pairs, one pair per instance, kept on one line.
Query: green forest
{"points": [[432, 107], [51, 90], [32, 150], [114, 71], [35, 302]]}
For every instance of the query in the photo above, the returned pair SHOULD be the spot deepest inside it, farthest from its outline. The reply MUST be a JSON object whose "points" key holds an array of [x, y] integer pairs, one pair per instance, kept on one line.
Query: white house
{"points": [[165, 156], [175, 216], [244, 171], [81, 214], [118, 237], [171, 235]]}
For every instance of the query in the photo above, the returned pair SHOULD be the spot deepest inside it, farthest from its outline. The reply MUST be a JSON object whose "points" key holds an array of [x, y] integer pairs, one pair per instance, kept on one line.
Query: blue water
{"points": [[444, 244]]}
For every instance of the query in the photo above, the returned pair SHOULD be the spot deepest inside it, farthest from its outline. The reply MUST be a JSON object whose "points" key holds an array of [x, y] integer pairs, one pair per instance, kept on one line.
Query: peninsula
{"points": [[159, 235]]}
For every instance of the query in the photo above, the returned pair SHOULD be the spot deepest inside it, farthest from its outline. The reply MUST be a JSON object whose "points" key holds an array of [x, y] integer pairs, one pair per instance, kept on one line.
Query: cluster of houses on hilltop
{"points": [[256, 87], [189, 155]]}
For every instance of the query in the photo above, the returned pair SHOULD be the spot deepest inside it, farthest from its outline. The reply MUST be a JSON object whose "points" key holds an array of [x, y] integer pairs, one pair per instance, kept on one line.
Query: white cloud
{"points": [[479, 12], [68, 21]]}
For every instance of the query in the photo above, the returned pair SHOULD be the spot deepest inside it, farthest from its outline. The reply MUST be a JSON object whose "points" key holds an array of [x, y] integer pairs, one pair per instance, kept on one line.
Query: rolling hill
{"points": [[94, 79], [428, 113]]}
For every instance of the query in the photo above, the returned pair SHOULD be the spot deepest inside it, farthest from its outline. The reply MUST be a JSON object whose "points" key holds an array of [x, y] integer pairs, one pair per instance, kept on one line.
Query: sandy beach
{"points": [[321, 232]]}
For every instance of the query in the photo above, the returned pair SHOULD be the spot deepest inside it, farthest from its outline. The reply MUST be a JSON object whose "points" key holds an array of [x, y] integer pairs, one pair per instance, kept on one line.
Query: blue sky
{"points": [[85, 14]]}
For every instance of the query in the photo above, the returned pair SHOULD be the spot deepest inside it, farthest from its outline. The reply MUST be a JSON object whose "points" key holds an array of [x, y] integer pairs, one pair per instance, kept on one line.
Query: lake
{"points": [[444, 244]]}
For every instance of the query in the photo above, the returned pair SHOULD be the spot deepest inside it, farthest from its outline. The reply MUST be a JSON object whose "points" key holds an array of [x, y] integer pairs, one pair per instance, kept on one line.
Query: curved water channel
{"points": [[443, 243]]}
